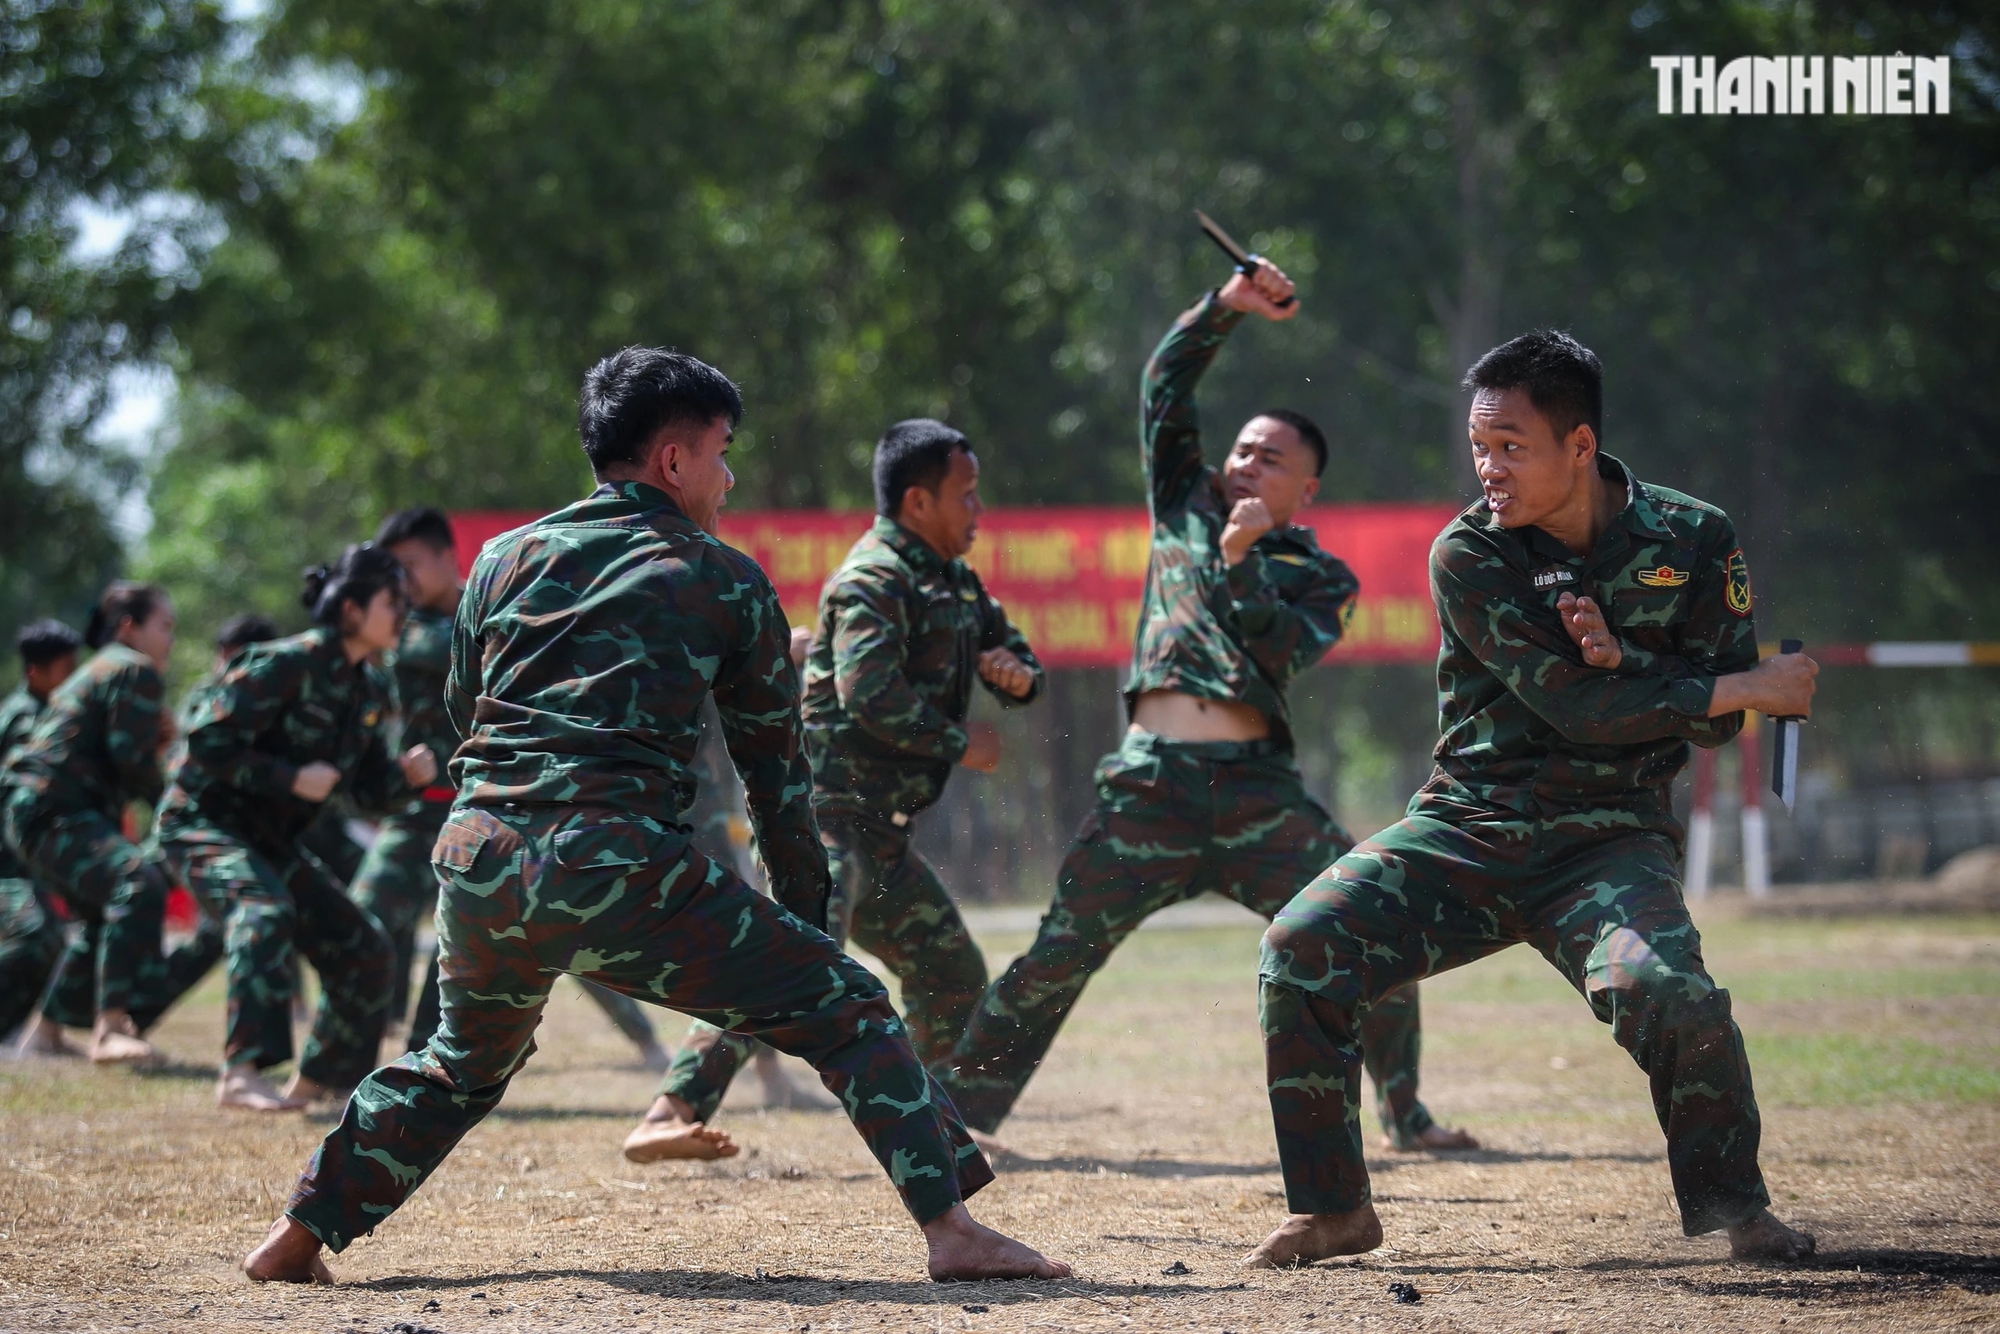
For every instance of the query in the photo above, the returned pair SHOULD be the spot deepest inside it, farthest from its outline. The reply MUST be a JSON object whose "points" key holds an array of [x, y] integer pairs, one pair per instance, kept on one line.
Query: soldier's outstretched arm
{"points": [[756, 694], [1285, 638], [870, 630]]}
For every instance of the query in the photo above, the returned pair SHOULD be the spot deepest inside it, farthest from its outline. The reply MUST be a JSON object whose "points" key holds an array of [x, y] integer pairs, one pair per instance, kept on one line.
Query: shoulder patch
{"points": [[1737, 593]]}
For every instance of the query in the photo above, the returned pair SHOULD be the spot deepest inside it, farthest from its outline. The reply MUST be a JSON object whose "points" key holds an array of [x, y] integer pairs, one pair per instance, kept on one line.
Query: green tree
{"points": [[99, 107]]}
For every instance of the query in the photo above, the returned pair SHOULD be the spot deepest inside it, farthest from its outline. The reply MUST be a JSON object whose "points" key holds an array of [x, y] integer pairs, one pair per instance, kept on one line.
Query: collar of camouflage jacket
{"points": [[918, 554], [637, 493], [1639, 519]]}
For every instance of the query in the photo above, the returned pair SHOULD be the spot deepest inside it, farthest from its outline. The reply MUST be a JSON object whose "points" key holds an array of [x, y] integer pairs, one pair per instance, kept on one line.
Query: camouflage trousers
{"points": [[31, 940], [1600, 901], [118, 891], [1174, 819], [625, 1014], [888, 900], [397, 886], [530, 893], [273, 906]]}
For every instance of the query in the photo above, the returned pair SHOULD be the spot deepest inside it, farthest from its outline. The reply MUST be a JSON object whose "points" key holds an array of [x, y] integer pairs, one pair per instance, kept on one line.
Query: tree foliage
{"points": [[100, 107], [868, 209]]}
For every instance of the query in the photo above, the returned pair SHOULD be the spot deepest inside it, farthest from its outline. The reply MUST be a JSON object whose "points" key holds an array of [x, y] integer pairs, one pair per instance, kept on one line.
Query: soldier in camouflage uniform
{"points": [[588, 641], [905, 630], [395, 882], [1204, 794], [95, 750], [287, 722], [1594, 625], [31, 934]]}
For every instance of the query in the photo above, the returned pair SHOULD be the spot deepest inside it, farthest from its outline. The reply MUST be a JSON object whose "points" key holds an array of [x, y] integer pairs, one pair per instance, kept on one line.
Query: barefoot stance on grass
{"points": [[116, 1041], [1763, 1237], [671, 1131], [1437, 1139], [288, 1254], [1304, 1238], [242, 1088]]}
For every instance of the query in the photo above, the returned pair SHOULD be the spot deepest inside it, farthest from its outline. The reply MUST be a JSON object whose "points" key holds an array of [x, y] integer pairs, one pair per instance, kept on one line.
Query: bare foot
{"points": [[303, 1091], [1763, 1237], [44, 1037], [288, 1254], [243, 1088], [116, 1041], [990, 1144], [963, 1249], [1304, 1238], [1434, 1139], [670, 1131]]}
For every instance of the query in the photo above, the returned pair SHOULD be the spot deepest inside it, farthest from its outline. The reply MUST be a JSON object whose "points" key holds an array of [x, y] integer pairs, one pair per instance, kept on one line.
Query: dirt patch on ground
{"points": [[1146, 1160]]}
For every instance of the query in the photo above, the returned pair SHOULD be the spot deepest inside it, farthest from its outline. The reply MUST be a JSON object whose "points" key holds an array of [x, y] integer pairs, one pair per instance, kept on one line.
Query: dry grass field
{"points": [[1144, 1147]]}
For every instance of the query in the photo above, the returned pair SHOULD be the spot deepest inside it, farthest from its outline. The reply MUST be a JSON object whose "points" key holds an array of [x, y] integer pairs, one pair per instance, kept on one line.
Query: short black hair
{"points": [[1308, 430], [245, 628], [122, 600], [45, 641], [911, 453], [360, 572], [1564, 379], [421, 523], [631, 395]]}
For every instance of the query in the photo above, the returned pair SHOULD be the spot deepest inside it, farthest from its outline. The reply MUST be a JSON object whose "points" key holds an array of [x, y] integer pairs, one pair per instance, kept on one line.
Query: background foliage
{"points": [[428, 219]]}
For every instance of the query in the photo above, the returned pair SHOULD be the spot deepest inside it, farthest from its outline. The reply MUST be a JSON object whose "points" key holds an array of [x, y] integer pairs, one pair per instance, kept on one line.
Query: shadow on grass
{"points": [[1862, 1273], [790, 1289], [1163, 1168]]}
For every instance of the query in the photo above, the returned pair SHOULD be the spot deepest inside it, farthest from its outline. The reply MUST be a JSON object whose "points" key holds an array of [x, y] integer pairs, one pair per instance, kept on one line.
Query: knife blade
{"points": [[1246, 263], [1785, 745]]}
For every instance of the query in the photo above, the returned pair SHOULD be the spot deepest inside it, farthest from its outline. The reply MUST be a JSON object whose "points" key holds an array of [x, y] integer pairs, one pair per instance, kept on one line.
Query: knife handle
{"points": [[1790, 646]]}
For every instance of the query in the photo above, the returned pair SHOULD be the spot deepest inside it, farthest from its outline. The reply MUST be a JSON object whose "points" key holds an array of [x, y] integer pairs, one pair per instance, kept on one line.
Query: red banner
{"points": [[1071, 575]]}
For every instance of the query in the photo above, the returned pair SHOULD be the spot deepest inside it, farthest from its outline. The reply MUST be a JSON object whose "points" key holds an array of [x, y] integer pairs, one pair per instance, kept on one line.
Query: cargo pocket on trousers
{"points": [[460, 840], [614, 845]]}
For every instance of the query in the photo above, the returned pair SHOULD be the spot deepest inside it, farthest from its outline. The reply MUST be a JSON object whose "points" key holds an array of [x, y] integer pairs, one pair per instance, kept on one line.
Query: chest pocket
{"points": [[1651, 599]]}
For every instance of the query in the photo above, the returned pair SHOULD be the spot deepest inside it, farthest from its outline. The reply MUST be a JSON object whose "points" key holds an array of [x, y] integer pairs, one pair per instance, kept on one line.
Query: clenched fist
{"points": [[1248, 521], [1002, 670]]}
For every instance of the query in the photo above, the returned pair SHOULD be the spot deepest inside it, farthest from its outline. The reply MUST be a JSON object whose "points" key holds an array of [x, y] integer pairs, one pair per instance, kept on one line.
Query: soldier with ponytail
{"points": [[287, 723]]}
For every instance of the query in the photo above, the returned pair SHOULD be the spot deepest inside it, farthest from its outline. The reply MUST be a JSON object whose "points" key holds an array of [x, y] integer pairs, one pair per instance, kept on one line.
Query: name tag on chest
{"points": [[1555, 576]]}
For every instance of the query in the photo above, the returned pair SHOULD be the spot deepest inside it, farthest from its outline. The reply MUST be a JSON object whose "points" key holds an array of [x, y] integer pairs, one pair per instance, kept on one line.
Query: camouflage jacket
{"points": [[277, 707], [419, 666], [18, 713], [1206, 628], [585, 644], [891, 672], [96, 745], [1528, 728]]}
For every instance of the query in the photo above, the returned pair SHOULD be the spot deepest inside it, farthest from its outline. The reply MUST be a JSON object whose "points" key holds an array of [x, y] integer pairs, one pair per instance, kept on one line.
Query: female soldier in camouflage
{"points": [[286, 723], [95, 749]]}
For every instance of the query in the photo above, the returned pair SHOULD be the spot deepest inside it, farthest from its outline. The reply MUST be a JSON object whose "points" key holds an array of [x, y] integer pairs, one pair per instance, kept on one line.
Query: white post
{"points": [[1701, 826], [1756, 834]]}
